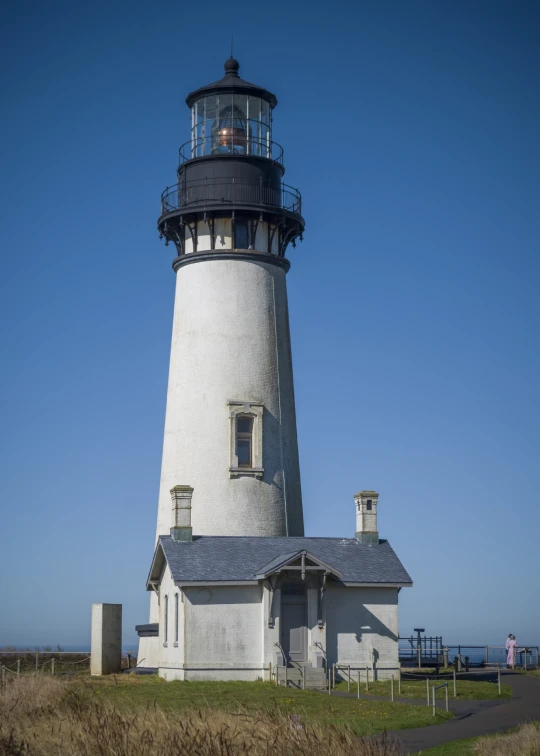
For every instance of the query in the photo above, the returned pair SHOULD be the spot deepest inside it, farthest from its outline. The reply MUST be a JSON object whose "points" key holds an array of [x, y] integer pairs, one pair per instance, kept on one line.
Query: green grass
{"points": [[467, 690], [131, 692], [454, 748]]}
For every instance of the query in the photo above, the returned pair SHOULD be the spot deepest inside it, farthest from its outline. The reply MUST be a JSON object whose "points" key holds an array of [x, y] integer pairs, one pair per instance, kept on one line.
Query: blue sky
{"points": [[412, 131]]}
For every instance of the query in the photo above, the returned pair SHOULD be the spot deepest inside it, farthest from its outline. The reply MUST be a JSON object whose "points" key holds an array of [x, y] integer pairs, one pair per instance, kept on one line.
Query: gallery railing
{"points": [[211, 192]]}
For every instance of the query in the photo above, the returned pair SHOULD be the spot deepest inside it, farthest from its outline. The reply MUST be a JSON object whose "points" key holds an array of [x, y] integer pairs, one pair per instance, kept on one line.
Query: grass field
{"points": [[42, 715], [363, 717], [467, 690], [520, 741]]}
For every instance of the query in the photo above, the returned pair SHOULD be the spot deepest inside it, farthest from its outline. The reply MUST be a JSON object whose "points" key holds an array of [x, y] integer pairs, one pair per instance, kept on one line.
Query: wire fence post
{"points": [[349, 678], [427, 690], [433, 693], [392, 688], [37, 660], [52, 666], [334, 675], [277, 675], [399, 682], [455, 693], [303, 678], [446, 691], [3, 677], [358, 683], [286, 678], [499, 679], [18, 666], [329, 684], [367, 677]]}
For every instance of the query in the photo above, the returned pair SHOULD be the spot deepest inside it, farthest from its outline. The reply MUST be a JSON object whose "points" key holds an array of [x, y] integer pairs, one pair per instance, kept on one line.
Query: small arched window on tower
{"points": [[244, 441], [369, 505]]}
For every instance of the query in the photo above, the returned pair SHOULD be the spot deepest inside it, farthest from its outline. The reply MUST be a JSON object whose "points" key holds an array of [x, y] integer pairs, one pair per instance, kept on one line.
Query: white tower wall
{"points": [[231, 344]]}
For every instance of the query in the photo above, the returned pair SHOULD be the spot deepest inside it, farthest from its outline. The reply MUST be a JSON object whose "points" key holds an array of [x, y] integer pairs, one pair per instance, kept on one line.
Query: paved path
{"points": [[480, 717], [473, 717]]}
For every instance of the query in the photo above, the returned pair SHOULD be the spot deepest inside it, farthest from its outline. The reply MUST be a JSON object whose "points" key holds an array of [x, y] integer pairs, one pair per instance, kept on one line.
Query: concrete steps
{"points": [[312, 678]]}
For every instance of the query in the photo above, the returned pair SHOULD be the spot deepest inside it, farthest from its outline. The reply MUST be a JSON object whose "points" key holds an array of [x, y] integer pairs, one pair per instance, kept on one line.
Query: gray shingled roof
{"points": [[241, 558]]}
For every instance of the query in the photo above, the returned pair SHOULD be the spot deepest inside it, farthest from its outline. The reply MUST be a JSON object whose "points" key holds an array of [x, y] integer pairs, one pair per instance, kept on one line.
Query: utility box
{"points": [[106, 642]]}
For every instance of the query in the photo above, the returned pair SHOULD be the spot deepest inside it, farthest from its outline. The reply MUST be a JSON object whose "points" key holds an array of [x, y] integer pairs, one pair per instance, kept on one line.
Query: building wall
{"points": [[362, 628], [231, 342], [171, 647], [223, 639]]}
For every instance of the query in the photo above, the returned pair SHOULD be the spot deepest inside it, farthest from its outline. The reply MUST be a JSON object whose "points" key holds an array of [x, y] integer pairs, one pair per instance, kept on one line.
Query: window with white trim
{"points": [[246, 424]]}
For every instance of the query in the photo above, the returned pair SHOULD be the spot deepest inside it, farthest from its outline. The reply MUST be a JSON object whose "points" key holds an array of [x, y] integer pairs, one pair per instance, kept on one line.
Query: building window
{"points": [[176, 618], [241, 237], [244, 440], [246, 419], [166, 620], [369, 505]]}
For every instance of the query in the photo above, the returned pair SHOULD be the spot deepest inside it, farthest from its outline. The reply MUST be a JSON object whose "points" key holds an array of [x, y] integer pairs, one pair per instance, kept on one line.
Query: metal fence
{"points": [[432, 652]]}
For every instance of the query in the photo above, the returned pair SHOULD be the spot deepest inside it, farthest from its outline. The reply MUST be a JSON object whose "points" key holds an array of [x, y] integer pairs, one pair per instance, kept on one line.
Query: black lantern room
{"points": [[230, 195]]}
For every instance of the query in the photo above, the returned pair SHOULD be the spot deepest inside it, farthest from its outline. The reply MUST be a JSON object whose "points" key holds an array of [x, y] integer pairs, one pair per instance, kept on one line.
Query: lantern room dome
{"points": [[231, 83]]}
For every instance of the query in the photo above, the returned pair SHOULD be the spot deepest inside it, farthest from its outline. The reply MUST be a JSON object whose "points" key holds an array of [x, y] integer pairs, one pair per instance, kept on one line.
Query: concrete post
{"points": [[106, 641]]}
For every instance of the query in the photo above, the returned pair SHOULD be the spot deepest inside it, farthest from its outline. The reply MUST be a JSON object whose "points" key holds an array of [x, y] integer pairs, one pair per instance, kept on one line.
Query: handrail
{"points": [[232, 144], [227, 191], [282, 652]]}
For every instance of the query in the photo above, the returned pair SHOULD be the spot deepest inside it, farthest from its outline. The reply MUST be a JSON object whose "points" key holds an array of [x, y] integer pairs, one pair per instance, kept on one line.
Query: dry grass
{"points": [[42, 716], [523, 742]]}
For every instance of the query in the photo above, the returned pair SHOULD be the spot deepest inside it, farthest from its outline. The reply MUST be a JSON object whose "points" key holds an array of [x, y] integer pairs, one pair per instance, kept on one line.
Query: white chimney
{"points": [[366, 517], [181, 513]]}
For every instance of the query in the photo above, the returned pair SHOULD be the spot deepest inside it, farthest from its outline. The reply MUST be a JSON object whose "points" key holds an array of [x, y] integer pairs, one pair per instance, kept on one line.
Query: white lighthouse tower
{"points": [[237, 591], [230, 427]]}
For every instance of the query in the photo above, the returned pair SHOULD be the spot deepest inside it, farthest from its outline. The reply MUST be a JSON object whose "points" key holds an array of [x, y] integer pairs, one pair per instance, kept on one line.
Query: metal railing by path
{"points": [[432, 652], [434, 689], [526, 657]]}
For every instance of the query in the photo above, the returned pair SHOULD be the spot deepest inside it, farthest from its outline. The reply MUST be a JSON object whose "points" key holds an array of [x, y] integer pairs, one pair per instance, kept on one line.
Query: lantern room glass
{"points": [[231, 123]]}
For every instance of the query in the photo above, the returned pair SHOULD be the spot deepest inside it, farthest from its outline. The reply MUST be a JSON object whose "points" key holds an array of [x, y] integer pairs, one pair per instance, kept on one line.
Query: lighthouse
{"points": [[230, 426], [237, 591]]}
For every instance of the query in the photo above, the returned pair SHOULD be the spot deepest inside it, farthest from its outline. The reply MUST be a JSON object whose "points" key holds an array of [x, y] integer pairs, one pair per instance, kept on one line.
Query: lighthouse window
{"points": [[244, 440], [166, 620], [369, 504], [231, 124], [241, 240], [246, 449]]}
